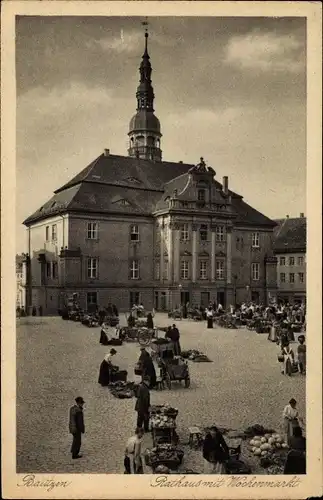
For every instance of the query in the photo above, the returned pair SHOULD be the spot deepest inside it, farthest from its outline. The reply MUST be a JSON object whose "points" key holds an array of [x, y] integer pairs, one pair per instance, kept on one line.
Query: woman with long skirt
{"points": [[105, 369], [291, 419], [288, 354], [209, 317]]}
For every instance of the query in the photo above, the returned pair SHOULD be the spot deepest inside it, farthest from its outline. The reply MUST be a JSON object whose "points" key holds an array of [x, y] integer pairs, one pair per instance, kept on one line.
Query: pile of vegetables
{"points": [[195, 355], [164, 454], [267, 445], [159, 421], [164, 409], [122, 390]]}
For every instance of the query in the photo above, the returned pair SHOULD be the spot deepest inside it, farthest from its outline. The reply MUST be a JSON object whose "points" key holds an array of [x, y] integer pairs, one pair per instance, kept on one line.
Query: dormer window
{"points": [[201, 195]]}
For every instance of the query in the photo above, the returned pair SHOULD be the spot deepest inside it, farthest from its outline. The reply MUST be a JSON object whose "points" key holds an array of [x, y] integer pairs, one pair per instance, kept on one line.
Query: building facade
{"points": [[290, 251], [134, 228]]}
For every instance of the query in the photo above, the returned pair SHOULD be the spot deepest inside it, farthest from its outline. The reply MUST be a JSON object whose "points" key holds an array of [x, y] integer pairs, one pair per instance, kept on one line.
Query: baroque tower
{"points": [[144, 129]]}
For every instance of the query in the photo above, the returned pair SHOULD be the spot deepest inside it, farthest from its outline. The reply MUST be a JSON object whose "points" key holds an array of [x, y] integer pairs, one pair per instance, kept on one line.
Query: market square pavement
{"points": [[58, 360]]}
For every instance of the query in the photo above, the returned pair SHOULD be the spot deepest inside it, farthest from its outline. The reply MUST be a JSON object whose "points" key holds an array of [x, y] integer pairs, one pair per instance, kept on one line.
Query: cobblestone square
{"points": [[58, 360]]}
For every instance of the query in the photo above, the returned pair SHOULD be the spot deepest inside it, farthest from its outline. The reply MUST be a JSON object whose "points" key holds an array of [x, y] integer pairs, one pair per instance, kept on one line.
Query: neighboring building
{"points": [[131, 229], [20, 285], [290, 251]]}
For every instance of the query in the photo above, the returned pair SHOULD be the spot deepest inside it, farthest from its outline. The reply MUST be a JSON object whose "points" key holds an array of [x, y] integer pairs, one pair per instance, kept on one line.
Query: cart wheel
{"points": [[144, 338], [168, 381], [187, 382]]}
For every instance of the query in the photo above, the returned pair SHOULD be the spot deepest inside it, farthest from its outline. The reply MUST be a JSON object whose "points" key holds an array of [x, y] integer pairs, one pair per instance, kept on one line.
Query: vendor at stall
{"points": [[133, 460], [105, 335], [146, 365], [131, 320], [106, 368], [150, 321], [173, 335], [143, 404], [215, 452]]}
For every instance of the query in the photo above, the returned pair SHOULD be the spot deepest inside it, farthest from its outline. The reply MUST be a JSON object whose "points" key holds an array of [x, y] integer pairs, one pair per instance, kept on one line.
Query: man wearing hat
{"points": [[143, 404], [76, 426]]}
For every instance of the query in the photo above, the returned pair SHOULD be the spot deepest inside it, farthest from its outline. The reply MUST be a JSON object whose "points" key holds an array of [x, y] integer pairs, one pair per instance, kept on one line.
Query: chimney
{"points": [[301, 215], [225, 185], [106, 152]]}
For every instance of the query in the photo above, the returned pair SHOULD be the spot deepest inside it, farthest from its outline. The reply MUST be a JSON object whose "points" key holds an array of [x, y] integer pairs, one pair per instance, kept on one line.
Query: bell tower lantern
{"points": [[144, 128]]}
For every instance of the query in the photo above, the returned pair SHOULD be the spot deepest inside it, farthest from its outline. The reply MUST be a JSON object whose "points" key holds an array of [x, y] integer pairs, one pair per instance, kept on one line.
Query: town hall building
{"points": [[137, 229]]}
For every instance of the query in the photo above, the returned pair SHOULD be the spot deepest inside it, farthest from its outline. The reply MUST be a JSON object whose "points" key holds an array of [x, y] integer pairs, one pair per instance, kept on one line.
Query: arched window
{"points": [[150, 140]]}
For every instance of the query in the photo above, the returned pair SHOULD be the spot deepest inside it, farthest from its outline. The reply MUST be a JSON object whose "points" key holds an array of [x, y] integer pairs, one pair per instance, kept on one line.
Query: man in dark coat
{"points": [[175, 340], [147, 367], [76, 426], [143, 404]]}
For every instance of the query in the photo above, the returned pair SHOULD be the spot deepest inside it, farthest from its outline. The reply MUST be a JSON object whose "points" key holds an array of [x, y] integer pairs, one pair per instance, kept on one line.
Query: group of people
{"points": [[292, 364]]}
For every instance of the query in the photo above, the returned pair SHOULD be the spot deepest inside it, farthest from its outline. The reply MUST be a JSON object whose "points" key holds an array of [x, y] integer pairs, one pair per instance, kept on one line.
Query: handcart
{"points": [[174, 368], [163, 430], [143, 335]]}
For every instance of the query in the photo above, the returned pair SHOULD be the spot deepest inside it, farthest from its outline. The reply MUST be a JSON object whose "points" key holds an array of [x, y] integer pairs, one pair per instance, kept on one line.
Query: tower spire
{"points": [[144, 130]]}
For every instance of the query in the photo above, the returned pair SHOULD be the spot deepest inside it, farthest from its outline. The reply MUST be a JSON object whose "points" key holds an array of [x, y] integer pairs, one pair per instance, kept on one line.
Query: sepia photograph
{"points": [[161, 250]]}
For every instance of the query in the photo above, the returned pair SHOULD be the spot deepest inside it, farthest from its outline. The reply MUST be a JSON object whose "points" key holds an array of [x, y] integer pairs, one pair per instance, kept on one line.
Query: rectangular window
{"points": [[282, 277], [48, 269], [54, 232], [184, 232], [282, 261], [203, 232], [134, 233], [203, 270], [47, 233], [165, 276], [219, 233], [92, 268], [134, 270], [300, 261], [157, 270], [301, 277], [184, 269], [291, 277], [255, 240], [291, 261], [91, 298], [55, 270], [201, 195], [220, 270], [255, 271], [92, 230]]}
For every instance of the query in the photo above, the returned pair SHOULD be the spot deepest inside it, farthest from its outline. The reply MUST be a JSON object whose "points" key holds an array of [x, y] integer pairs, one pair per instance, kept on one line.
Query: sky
{"points": [[232, 90]]}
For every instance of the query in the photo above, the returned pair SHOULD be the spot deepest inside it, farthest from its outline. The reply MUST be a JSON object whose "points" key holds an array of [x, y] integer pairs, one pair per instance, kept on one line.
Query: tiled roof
{"points": [[248, 215], [290, 235], [116, 170], [122, 184]]}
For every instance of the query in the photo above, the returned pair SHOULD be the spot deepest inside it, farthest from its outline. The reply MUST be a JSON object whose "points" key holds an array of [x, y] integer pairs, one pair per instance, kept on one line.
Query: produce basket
{"points": [[166, 454], [163, 410]]}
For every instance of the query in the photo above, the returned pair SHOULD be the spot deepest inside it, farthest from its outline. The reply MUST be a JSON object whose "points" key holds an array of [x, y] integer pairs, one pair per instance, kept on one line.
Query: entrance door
{"points": [[220, 298], [156, 302], [255, 297], [205, 299], [185, 297], [134, 299], [163, 303]]}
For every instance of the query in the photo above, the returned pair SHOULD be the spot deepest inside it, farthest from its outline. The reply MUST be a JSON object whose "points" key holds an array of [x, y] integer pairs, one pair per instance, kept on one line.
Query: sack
{"points": [[280, 358], [233, 466]]}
